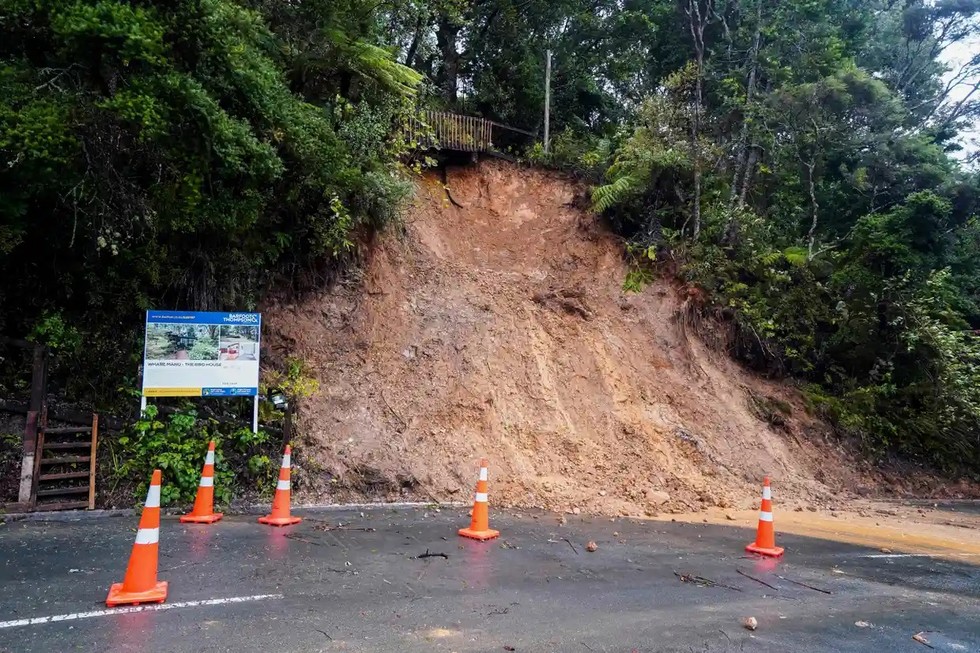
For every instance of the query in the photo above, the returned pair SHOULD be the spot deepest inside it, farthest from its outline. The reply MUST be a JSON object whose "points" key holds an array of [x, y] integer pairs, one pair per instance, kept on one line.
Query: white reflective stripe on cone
{"points": [[148, 536], [282, 485], [481, 497], [209, 459], [207, 481], [483, 473], [153, 497], [765, 516], [766, 493], [285, 460]]}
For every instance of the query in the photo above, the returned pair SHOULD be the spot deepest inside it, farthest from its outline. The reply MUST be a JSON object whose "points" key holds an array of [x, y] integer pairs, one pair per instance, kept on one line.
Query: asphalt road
{"points": [[306, 589]]}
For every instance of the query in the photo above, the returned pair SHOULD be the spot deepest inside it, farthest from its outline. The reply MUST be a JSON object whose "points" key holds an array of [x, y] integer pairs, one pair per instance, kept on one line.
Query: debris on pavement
{"points": [[703, 582], [920, 638], [750, 623], [298, 538], [758, 580], [325, 526], [591, 547], [432, 555], [809, 587], [863, 624]]}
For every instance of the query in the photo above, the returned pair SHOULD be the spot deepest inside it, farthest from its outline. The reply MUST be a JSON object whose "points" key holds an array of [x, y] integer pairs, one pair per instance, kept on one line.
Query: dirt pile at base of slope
{"points": [[499, 328]]}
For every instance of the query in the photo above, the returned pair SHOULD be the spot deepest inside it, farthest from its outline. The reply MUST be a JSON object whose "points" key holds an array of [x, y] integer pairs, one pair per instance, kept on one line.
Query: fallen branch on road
{"points": [[761, 582], [325, 526], [810, 587], [704, 582]]}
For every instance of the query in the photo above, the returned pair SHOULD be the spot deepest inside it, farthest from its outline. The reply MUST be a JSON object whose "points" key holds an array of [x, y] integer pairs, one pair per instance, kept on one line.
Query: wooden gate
{"points": [[58, 463]]}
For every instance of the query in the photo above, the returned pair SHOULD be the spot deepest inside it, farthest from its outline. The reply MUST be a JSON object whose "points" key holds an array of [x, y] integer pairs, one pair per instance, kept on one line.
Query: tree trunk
{"points": [[413, 47], [740, 178], [447, 78], [697, 20], [811, 236], [747, 177]]}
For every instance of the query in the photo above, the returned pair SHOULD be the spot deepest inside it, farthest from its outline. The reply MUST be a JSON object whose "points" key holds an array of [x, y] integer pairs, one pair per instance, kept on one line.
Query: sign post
{"points": [[202, 354]]}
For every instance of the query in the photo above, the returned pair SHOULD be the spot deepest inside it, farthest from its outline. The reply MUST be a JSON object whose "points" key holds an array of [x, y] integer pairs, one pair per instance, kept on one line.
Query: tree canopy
{"points": [[184, 154]]}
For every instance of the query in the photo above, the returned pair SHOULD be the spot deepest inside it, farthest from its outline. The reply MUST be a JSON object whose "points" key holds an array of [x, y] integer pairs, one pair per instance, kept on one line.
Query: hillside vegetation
{"points": [[804, 167]]}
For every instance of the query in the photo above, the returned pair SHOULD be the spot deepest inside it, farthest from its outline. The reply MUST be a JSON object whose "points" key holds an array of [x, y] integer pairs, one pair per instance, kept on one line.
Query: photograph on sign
{"points": [[201, 354], [238, 343]]}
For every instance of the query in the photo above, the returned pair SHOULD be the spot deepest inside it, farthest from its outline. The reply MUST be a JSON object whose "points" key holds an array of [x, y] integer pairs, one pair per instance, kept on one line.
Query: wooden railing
{"points": [[450, 131]]}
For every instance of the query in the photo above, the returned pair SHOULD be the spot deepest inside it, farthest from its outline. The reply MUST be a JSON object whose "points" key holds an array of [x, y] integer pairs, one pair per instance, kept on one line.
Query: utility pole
{"points": [[547, 103]]}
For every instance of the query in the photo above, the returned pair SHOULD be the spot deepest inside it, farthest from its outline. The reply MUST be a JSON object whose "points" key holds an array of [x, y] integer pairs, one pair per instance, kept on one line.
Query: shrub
{"points": [[177, 447]]}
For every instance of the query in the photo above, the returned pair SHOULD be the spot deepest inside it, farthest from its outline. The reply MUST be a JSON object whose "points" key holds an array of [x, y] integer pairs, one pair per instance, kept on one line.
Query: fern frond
{"points": [[376, 63], [770, 258], [609, 195], [795, 256]]}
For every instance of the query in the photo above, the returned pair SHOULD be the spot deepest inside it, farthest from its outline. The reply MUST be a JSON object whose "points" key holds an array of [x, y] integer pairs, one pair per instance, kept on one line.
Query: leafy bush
{"points": [[875, 328], [575, 151], [295, 381], [177, 447], [53, 331]]}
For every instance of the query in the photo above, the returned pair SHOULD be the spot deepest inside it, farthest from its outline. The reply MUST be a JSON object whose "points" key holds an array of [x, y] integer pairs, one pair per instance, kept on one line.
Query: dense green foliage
{"points": [[798, 160], [799, 168], [177, 446], [183, 154]]}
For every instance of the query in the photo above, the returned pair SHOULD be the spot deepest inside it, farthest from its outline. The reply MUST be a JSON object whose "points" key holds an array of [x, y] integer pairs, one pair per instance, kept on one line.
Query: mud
{"points": [[501, 330]]}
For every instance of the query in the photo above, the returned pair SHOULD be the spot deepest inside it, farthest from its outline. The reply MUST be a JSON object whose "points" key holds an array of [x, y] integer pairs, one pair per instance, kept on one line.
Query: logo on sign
{"points": [[242, 317]]}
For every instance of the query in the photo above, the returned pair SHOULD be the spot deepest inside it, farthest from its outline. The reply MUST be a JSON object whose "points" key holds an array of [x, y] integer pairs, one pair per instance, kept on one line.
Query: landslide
{"points": [[499, 328]]}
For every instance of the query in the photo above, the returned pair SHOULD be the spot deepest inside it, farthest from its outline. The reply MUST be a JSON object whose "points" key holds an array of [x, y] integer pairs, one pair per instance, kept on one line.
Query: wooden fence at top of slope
{"points": [[450, 131]]}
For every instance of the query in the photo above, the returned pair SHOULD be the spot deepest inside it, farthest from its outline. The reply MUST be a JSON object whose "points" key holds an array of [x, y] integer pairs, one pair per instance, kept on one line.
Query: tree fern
{"points": [[607, 196], [374, 62]]}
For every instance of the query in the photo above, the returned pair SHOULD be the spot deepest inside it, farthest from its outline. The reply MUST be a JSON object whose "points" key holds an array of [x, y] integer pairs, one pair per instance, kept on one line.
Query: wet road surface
{"points": [[306, 588]]}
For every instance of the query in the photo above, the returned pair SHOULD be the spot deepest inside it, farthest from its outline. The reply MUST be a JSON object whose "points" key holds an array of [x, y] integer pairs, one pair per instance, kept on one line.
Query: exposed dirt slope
{"points": [[500, 329]]}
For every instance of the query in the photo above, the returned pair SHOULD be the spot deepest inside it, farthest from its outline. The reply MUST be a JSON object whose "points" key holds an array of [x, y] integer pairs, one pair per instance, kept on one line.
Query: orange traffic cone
{"points": [[765, 537], [280, 501], [203, 512], [140, 583], [480, 523]]}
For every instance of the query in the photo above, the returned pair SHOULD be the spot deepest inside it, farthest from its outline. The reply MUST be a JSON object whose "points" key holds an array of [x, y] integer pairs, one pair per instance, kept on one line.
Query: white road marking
{"points": [[35, 621], [919, 555]]}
